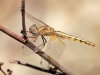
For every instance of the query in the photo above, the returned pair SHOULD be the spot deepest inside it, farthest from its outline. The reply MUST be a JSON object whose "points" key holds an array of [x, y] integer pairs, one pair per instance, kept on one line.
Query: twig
{"points": [[11, 34], [1, 63], [23, 19], [35, 67]]}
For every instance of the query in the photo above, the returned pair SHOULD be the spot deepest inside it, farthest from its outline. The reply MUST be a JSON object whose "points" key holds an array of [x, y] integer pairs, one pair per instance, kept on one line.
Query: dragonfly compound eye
{"points": [[33, 30]]}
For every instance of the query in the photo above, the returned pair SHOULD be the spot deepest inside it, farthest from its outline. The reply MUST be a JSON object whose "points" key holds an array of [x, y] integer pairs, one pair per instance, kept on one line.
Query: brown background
{"points": [[80, 18]]}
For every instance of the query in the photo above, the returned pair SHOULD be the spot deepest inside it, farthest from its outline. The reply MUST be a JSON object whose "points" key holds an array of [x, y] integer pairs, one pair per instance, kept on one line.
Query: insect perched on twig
{"points": [[55, 46]]}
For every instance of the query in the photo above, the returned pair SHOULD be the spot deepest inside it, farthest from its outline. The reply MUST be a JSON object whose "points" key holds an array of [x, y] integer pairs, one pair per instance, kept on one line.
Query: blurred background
{"points": [[80, 18]]}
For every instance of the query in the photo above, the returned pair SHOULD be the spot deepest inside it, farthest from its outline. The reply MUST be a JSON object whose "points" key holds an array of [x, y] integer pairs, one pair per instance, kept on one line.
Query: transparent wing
{"points": [[35, 20], [27, 51], [55, 47]]}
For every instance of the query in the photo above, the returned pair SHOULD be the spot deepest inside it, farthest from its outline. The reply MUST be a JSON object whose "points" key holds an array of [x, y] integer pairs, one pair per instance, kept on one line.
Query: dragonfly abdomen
{"points": [[70, 37]]}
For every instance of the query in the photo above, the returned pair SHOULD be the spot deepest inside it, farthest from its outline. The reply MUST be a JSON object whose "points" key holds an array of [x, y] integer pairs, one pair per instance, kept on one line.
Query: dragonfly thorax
{"points": [[46, 31]]}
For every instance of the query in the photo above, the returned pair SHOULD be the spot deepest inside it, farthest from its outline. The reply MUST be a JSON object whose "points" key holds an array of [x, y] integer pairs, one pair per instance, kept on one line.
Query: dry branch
{"points": [[36, 67], [23, 19], [1, 63]]}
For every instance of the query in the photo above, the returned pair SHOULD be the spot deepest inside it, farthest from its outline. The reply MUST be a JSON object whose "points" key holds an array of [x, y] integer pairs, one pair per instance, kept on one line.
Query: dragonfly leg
{"points": [[44, 42], [34, 37], [42, 45]]}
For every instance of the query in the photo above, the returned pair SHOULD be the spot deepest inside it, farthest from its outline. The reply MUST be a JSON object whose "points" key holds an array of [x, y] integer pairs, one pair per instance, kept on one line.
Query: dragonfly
{"points": [[55, 45]]}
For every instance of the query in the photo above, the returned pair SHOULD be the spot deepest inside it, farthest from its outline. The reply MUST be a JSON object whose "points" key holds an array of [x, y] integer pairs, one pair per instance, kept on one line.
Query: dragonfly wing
{"points": [[27, 51], [35, 20], [55, 47]]}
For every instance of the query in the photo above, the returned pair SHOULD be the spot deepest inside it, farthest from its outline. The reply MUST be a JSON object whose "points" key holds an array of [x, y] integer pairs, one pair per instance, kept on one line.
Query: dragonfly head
{"points": [[33, 29]]}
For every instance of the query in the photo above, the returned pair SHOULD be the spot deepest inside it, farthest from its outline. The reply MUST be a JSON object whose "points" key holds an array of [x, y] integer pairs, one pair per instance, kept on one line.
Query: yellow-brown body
{"points": [[49, 31]]}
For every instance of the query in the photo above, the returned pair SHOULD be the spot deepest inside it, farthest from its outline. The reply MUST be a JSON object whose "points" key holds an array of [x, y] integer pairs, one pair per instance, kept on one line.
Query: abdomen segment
{"points": [[70, 37]]}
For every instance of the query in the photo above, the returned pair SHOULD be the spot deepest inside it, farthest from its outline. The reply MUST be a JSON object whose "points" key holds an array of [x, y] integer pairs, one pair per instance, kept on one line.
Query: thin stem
{"points": [[23, 20], [34, 67], [11, 34], [1, 63], [2, 71]]}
